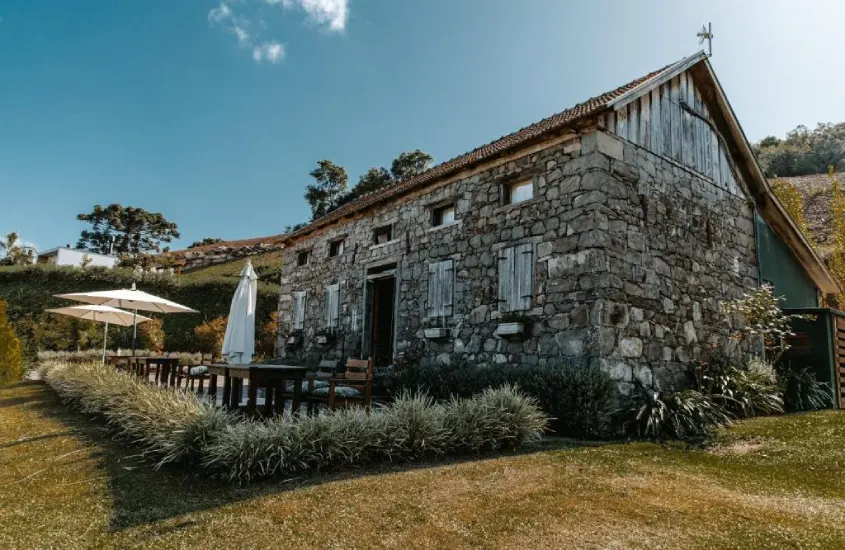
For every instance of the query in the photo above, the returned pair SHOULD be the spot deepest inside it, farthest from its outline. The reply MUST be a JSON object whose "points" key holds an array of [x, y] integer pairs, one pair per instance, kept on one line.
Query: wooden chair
{"points": [[326, 370], [353, 387]]}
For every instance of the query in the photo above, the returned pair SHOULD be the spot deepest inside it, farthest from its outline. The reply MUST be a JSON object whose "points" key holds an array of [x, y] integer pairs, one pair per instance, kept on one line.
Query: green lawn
{"points": [[771, 482]]}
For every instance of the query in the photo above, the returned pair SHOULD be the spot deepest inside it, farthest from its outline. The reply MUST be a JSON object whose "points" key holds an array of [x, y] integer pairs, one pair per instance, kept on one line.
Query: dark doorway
{"points": [[382, 291]]}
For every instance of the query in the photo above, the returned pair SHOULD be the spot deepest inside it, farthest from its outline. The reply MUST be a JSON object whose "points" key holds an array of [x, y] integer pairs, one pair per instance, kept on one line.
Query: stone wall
{"points": [[632, 255], [220, 254]]}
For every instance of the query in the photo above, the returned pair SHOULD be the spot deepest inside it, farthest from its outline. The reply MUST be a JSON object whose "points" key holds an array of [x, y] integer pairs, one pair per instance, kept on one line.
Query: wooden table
{"points": [[165, 372], [270, 377]]}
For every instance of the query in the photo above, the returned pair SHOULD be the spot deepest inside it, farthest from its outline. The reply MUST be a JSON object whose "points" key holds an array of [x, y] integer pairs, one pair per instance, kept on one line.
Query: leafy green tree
{"points": [[134, 230], [410, 164], [331, 182], [205, 242], [803, 151], [373, 180], [14, 253]]}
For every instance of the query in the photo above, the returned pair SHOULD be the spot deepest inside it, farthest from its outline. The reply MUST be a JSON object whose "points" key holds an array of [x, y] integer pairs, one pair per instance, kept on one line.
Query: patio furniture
{"points": [[162, 367], [270, 377], [191, 374], [354, 386]]}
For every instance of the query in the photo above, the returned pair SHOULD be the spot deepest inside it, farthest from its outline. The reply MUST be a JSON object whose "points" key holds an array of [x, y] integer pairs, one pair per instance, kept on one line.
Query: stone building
{"points": [[606, 234]]}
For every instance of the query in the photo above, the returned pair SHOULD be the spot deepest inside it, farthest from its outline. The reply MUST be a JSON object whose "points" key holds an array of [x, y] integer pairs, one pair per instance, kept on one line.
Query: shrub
{"points": [[11, 363], [687, 414], [413, 426], [801, 389], [745, 391], [151, 334], [579, 398], [209, 336], [170, 426], [174, 427]]}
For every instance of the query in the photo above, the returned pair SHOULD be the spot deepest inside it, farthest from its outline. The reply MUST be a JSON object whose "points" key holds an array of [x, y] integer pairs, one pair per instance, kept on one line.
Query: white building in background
{"points": [[74, 257]]}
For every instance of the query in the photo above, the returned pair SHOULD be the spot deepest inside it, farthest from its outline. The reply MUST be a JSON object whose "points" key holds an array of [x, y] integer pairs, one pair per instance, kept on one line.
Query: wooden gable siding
{"points": [[673, 121]]}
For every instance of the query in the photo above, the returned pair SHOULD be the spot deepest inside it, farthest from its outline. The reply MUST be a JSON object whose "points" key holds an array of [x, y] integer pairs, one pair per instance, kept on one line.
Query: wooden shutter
{"points": [[523, 294], [332, 305], [433, 307], [299, 309], [506, 265], [441, 277], [447, 287]]}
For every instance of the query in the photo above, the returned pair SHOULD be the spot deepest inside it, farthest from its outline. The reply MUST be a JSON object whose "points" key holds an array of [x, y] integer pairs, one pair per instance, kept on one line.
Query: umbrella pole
{"points": [[134, 329], [105, 342]]}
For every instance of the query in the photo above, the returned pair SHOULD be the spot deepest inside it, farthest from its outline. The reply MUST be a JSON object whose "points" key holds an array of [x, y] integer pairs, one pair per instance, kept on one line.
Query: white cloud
{"points": [[220, 13], [332, 12], [242, 34], [248, 29], [272, 52]]}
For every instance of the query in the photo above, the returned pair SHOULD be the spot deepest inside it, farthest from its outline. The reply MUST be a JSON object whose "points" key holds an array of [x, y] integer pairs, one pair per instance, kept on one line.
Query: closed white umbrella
{"points": [[102, 314], [132, 299], [239, 340]]}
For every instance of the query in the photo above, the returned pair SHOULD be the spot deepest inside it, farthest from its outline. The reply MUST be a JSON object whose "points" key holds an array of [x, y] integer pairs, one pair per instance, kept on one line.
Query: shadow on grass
{"points": [[142, 495]]}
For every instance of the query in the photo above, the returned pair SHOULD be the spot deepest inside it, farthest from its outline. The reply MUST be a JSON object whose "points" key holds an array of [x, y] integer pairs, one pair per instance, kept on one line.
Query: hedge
{"points": [[30, 289]]}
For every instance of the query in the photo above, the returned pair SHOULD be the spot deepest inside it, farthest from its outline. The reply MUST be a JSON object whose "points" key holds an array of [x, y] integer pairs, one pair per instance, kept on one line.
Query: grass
{"points": [[269, 262], [770, 482]]}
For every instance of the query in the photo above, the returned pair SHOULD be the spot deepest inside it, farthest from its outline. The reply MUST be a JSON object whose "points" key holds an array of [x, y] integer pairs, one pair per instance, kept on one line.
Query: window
{"points": [[299, 309], [302, 258], [516, 278], [441, 285], [444, 215], [519, 191], [332, 305], [382, 234], [336, 248]]}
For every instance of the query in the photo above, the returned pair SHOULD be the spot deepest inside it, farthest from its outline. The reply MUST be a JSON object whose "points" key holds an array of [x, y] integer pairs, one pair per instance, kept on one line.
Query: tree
{"points": [[792, 202], [410, 164], [14, 253], [151, 335], [133, 230], [205, 242], [11, 363], [331, 181], [209, 336], [803, 151], [373, 180]]}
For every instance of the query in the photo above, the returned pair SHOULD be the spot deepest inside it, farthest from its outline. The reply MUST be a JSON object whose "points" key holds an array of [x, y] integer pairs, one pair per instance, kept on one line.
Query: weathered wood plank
{"points": [[447, 282], [686, 124], [622, 122], [714, 158], [524, 271], [431, 309], [674, 99], [666, 119], [611, 121], [656, 127], [506, 266], [634, 122], [645, 121]]}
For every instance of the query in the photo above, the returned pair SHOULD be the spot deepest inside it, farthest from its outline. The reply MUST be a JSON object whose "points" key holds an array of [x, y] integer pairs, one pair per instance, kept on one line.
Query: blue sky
{"points": [[214, 114]]}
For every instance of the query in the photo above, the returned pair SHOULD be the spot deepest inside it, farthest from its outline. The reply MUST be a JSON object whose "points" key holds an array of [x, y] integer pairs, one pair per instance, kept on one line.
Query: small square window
{"points": [[302, 258], [382, 234], [445, 215], [336, 248], [519, 191]]}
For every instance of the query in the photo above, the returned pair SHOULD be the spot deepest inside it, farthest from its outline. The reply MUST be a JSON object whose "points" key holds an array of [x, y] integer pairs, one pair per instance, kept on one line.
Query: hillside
{"points": [[815, 191]]}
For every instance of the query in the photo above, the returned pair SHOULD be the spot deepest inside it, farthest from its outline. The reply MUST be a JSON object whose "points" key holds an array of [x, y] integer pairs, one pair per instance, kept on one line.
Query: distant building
{"points": [[74, 257]]}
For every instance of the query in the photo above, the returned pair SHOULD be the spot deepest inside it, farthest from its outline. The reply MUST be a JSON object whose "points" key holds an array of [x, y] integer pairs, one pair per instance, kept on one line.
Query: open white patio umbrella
{"points": [[130, 299], [239, 340], [102, 314]]}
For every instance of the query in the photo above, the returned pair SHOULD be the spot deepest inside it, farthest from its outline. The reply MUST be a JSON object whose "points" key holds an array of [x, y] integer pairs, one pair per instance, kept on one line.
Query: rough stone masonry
{"points": [[629, 256]]}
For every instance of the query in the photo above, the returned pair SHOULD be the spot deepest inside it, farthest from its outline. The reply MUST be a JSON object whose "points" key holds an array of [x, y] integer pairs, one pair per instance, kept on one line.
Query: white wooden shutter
{"points": [[299, 298], [523, 295], [433, 291], [446, 273], [332, 305], [506, 265]]}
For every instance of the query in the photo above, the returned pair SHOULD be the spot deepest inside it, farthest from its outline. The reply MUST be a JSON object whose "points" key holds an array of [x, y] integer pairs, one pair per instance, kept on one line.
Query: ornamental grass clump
{"points": [[410, 428], [169, 426]]}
